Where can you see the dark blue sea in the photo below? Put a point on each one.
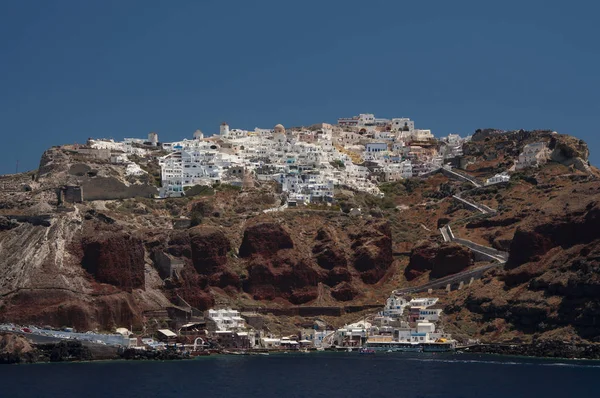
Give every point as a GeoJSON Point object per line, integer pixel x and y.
{"type": "Point", "coordinates": [309, 375]}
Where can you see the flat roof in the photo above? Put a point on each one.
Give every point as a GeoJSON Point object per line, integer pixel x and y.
{"type": "Point", "coordinates": [167, 332]}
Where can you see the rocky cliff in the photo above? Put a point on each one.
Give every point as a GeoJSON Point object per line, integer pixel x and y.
{"type": "Point", "coordinates": [550, 287]}
{"type": "Point", "coordinates": [129, 260]}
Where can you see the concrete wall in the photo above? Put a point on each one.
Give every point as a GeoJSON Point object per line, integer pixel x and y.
{"type": "Point", "coordinates": [470, 205]}
{"type": "Point", "coordinates": [108, 188]}
{"type": "Point", "coordinates": [70, 194]}
{"type": "Point", "coordinates": [457, 176]}
{"type": "Point", "coordinates": [312, 311]}
{"type": "Point", "coordinates": [165, 264]}
{"type": "Point", "coordinates": [484, 249]}
{"type": "Point", "coordinates": [103, 154]}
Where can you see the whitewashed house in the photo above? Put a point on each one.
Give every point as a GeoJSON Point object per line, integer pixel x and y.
{"type": "Point", "coordinates": [533, 155]}
{"type": "Point", "coordinates": [498, 178]}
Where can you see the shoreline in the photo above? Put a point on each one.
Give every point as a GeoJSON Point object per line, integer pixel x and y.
{"type": "Point", "coordinates": [544, 349]}
{"type": "Point", "coordinates": [500, 350]}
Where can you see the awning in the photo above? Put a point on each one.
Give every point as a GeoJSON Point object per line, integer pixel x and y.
{"type": "Point", "coordinates": [167, 332]}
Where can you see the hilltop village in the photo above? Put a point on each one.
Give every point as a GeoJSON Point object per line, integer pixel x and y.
{"type": "Point", "coordinates": [293, 238]}
{"type": "Point", "coordinates": [359, 152]}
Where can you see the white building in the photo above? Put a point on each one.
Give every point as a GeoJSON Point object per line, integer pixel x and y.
{"type": "Point", "coordinates": [394, 306]}
{"type": "Point", "coordinates": [402, 124]}
{"type": "Point", "coordinates": [498, 178]}
{"type": "Point", "coordinates": [364, 119]}
{"type": "Point", "coordinates": [376, 147]}
{"type": "Point", "coordinates": [153, 138]}
{"type": "Point", "coordinates": [226, 319]}
{"type": "Point", "coordinates": [352, 335]}
{"type": "Point", "coordinates": [423, 302]}
{"type": "Point", "coordinates": [533, 155]}
{"type": "Point", "coordinates": [429, 314]}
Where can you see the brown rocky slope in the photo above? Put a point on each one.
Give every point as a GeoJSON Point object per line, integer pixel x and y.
{"type": "Point", "coordinates": [120, 261]}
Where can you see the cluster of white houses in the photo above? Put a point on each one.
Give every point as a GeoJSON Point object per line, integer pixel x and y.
{"type": "Point", "coordinates": [405, 324]}
{"type": "Point", "coordinates": [359, 152]}
{"type": "Point", "coordinates": [227, 329]}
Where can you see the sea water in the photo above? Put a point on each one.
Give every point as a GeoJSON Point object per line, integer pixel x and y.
{"type": "Point", "coordinates": [309, 375]}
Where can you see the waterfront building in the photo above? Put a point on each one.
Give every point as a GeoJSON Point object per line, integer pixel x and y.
{"type": "Point", "coordinates": [394, 306]}
{"type": "Point", "coordinates": [352, 335]}
{"type": "Point", "coordinates": [226, 319]}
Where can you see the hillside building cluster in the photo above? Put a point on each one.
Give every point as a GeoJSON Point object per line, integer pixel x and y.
{"type": "Point", "coordinates": [359, 152]}
{"type": "Point", "coordinates": [405, 324]}
{"type": "Point", "coordinates": [533, 155]}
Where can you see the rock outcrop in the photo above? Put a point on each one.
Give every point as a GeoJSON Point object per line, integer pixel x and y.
{"type": "Point", "coordinates": [372, 251]}
{"type": "Point", "coordinates": [15, 349]}
{"type": "Point", "coordinates": [569, 151]}
{"type": "Point", "coordinates": [327, 252]}
{"type": "Point", "coordinates": [440, 259]}
{"type": "Point", "coordinates": [209, 248]}
{"type": "Point", "coordinates": [534, 239]}
{"type": "Point", "coordinates": [551, 285]}
{"type": "Point", "coordinates": [117, 259]}
{"type": "Point", "coordinates": [451, 258]}
{"type": "Point", "coordinates": [282, 276]}
{"type": "Point", "coordinates": [6, 224]}
{"type": "Point", "coordinates": [422, 258]}
{"type": "Point", "coordinates": [265, 239]}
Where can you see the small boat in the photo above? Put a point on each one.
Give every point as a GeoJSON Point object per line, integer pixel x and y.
{"type": "Point", "coordinates": [320, 348]}
{"type": "Point", "coordinates": [367, 351]}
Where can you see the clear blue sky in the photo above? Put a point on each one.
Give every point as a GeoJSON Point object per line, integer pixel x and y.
{"type": "Point", "coordinates": [73, 69]}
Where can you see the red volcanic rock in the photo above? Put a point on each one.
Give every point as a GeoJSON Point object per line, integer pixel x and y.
{"type": "Point", "coordinates": [327, 251]}
{"type": "Point", "coordinates": [373, 250]}
{"type": "Point", "coordinates": [337, 276]}
{"type": "Point", "coordinates": [191, 287]}
{"type": "Point", "coordinates": [224, 279]}
{"type": "Point", "coordinates": [209, 249]}
{"type": "Point", "coordinates": [329, 256]}
{"type": "Point", "coordinates": [422, 259]}
{"type": "Point", "coordinates": [265, 239]}
{"type": "Point", "coordinates": [280, 276]}
{"type": "Point", "coordinates": [303, 296]}
{"type": "Point", "coordinates": [61, 308]}
{"type": "Point", "coordinates": [344, 292]}
{"type": "Point", "coordinates": [117, 259]}
{"type": "Point", "coordinates": [179, 245]}
{"type": "Point", "coordinates": [530, 242]}
{"type": "Point", "coordinates": [526, 246]}
{"type": "Point", "coordinates": [451, 258]}
{"type": "Point", "coordinates": [441, 260]}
